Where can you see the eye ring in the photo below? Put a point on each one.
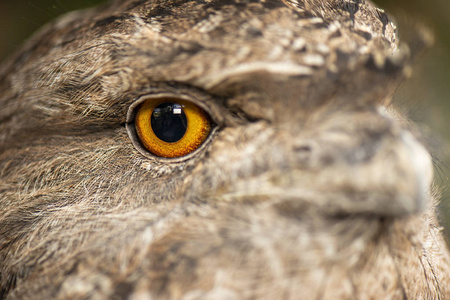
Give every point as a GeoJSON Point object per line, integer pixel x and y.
{"type": "Point", "coordinates": [199, 127]}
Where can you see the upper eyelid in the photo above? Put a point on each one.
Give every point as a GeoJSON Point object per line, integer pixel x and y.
{"type": "Point", "coordinates": [204, 102]}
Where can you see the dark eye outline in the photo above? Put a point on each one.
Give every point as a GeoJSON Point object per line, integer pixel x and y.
{"type": "Point", "coordinates": [132, 133]}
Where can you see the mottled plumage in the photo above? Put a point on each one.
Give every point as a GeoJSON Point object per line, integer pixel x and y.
{"type": "Point", "coordinates": [311, 186]}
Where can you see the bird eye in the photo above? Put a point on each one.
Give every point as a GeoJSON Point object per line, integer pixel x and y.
{"type": "Point", "coordinates": [171, 127]}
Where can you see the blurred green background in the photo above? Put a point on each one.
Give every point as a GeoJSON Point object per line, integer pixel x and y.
{"type": "Point", "coordinates": [427, 92]}
{"type": "Point", "coordinates": [425, 95]}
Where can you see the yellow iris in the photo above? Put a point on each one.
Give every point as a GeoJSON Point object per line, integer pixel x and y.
{"type": "Point", "coordinates": [197, 128]}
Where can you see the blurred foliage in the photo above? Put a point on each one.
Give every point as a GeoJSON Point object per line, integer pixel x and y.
{"type": "Point", "coordinates": [426, 94]}
{"type": "Point", "coordinates": [20, 18]}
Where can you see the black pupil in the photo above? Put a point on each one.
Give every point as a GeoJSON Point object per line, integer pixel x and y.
{"type": "Point", "coordinates": [169, 122]}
